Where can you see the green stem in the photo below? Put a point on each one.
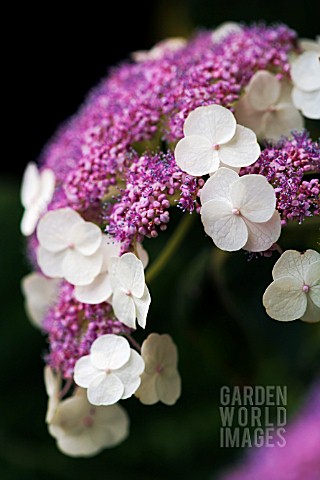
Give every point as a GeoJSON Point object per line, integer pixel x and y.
{"type": "Point", "coordinates": [170, 248]}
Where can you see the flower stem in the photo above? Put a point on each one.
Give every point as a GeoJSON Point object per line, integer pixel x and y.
{"type": "Point", "coordinates": [133, 342]}
{"type": "Point", "coordinates": [170, 248]}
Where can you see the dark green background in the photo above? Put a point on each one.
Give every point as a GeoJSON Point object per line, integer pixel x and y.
{"type": "Point", "coordinates": [210, 302]}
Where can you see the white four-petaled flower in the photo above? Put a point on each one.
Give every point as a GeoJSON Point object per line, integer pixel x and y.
{"type": "Point", "coordinates": [69, 247]}
{"type": "Point", "coordinates": [266, 107]}
{"type": "Point", "coordinates": [213, 138]}
{"type": "Point", "coordinates": [130, 295]}
{"type": "Point", "coordinates": [160, 380]}
{"type": "Point", "coordinates": [111, 372]}
{"type": "Point", "coordinates": [295, 291]}
{"type": "Point", "coordinates": [36, 193]}
{"type": "Point", "coordinates": [239, 212]}
{"type": "Point", "coordinates": [82, 430]}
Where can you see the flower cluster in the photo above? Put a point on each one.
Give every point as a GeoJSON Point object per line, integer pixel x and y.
{"type": "Point", "coordinates": [178, 126]}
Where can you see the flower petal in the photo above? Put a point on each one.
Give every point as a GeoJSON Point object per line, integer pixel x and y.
{"type": "Point", "coordinates": [124, 308]}
{"type": "Point", "coordinates": [262, 236]}
{"type": "Point", "coordinates": [29, 220]}
{"type": "Point", "coordinates": [84, 371]}
{"type": "Point", "coordinates": [79, 269]}
{"type": "Point", "coordinates": [96, 292]}
{"type": "Point", "coordinates": [55, 227]}
{"type": "Point", "coordinates": [254, 197]}
{"type": "Point", "coordinates": [307, 102]}
{"type": "Point", "coordinates": [110, 352]}
{"type": "Point", "coordinates": [168, 386]}
{"type": "Point", "coordinates": [312, 313]}
{"type": "Point", "coordinates": [159, 351]}
{"type": "Point", "coordinates": [30, 185]}
{"type": "Point", "coordinates": [47, 184]}
{"type": "Point", "coordinates": [242, 150]}
{"type": "Point", "coordinates": [142, 307]}
{"type": "Point", "coordinates": [195, 155]}
{"type": "Point", "coordinates": [294, 264]}
{"type": "Point", "coordinates": [217, 187]}
{"type": "Point", "coordinates": [51, 263]}
{"type": "Point", "coordinates": [281, 122]}
{"type": "Point", "coordinates": [305, 71]}
{"type": "Point", "coordinates": [130, 273]}
{"type": "Point", "coordinates": [87, 237]}
{"type": "Point", "coordinates": [214, 122]}
{"type": "Point", "coordinates": [40, 292]}
{"type": "Point", "coordinates": [285, 300]}
{"type": "Point", "coordinates": [263, 90]}
{"type": "Point", "coordinates": [129, 374]}
{"type": "Point", "coordinates": [147, 393]}
{"type": "Point", "coordinates": [247, 116]}
{"type": "Point", "coordinates": [105, 389]}
{"type": "Point", "coordinates": [111, 426]}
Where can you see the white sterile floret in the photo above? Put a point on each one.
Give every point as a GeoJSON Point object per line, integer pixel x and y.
{"type": "Point", "coordinates": [40, 293]}
{"type": "Point", "coordinates": [100, 289]}
{"type": "Point", "coordinates": [69, 247]}
{"type": "Point", "coordinates": [82, 430]}
{"type": "Point", "coordinates": [111, 372]}
{"type": "Point", "coordinates": [36, 193]}
{"type": "Point", "coordinates": [239, 212]}
{"type": "Point", "coordinates": [52, 383]}
{"type": "Point", "coordinates": [267, 108]}
{"type": "Point", "coordinates": [305, 74]}
{"type": "Point", "coordinates": [130, 295]}
{"type": "Point", "coordinates": [211, 138]}
{"type": "Point", "coordinates": [171, 44]}
{"type": "Point", "coordinates": [295, 291]}
{"type": "Point", "coordinates": [160, 380]}
{"type": "Point", "coordinates": [224, 30]}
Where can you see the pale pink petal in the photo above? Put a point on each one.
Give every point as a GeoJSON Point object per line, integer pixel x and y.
{"type": "Point", "coordinates": [214, 122]}
{"type": "Point", "coordinates": [262, 236]}
{"type": "Point", "coordinates": [217, 187]}
{"type": "Point", "coordinates": [285, 300]}
{"type": "Point", "coordinates": [305, 71]}
{"type": "Point", "coordinates": [84, 371]}
{"type": "Point", "coordinates": [79, 269]}
{"type": "Point", "coordinates": [124, 308]}
{"type": "Point", "coordinates": [142, 307]}
{"type": "Point", "coordinates": [147, 393]}
{"type": "Point", "coordinates": [196, 155]}
{"type": "Point", "coordinates": [55, 227]}
{"type": "Point", "coordinates": [307, 102]}
{"type": "Point", "coordinates": [129, 374]}
{"type": "Point", "coordinates": [294, 264]}
{"type": "Point", "coordinates": [96, 292]}
{"type": "Point", "coordinates": [86, 237]}
{"type": "Point", "coordinates": [263, 90]}
{"type": "Point", "coordinates": [242, 150]}
{"type": "Point", "coordinates": [50, 263]}
{"type": "Point", "coordinates": [105, 389]}
{"type": "Point", "coordinates": [254, 197]}
{"type": "Point", "coordinates": [110, 352]}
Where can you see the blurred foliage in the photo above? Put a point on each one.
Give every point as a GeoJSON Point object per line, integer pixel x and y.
{"type": "Point", "coordinates": [210, 302]}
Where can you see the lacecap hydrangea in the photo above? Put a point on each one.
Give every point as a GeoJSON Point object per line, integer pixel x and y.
{"type": "Point", "coordinates": [213, 126]}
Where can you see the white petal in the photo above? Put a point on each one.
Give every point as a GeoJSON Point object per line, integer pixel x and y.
{"type": "Point", "coordinates": [53, 385]}
{"type": "Point", "coordinates": [217, 187]}
{"type": "Point", "coordinates": [40, 293]}
{"type": "Point", "coordinates": [30, 185]}
{"type": "Point", "coordinates": [168, 386]}
{"type": "Point", "coordinates": [84, 371]}
{"type": "Point", "coordinates": [50, 263]}
{"type": "Point", "coordinates": [29, 220]}
{"type": "Point", "coordinates": [159, 351]}
{"type": "Point", "coordinates": [130, 373]}
{"type": "Point", "coordinates": [284, 299]}
{"type": "Point", "coordinates": [110, 352]}
{"type": "Point", "coordinates": [87, 237]}
{"type": "Point", "coordinates": [307, 102]}
{"type": "Point", "coordinates": [242, 150]}
{"type": "Point", "coordinates": [228, 231]}
{"type": "Point", "coordinates": [111, 425]}
{"type": "Point", "coordinates": [217, 124]}
{"type": "Point", "coordinates": [195, 155]}
{"type": "Point", "coordinates": [79, 269]}
{"type": "Point", "coordinates": [55, 227]}
{"type": "Point", "coordinates": [254, 197]}
{"type": "Point", "coordinates": [263, 90]}
{"type": "Point", "coordinates": [124, 308]}
{"type": "Point", "coordinates": [105, 389]}
{"type": "Point", "coordinates": [96, 292]}
{"type": "Point", "coordinates": [294, 264]}
{"type": "Point", "coordinates": [224, 30]}
{"type": "Point", "coordinates": [110, 248]}
{"type": "Point", "coordinates": [142, 307]}
{"type": "Point", "coordinates": [262, 236]}
{"type": "Point", "coordinates": [47, 183]}
{"type": "Point", "coordinates": [249, 117]}
{"type": "Point", "coordinates": [147, 393]}
{"type": "Point", "coordinates": [130, 273]}
{"type": "Point", "coordinates": [143, 255]}
{"type": "Point", "coordinates": [314, 294]}
{"type": "Point", "coordinates": [305, 71]}
{"type": "Point", "coordinates": [312, 277]}
{"type": "Point", "coordinates": [281, 122]}
{"type": "Point", "coordinates": [312, 313]}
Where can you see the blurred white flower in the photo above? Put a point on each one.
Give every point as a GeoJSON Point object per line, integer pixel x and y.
{"type": "Point", "coordinates": [171, 44]}
{"type": "Point", "coordinates": [40, 293]}
{"type": "Point", "coordinates": [305, 74]}
{"type": "Point", "coordinates": [308, 44]}
{"type": "Point", "coordinates": [295, 291]}
{"type": "Point", "coordinates": [53, 385]}
{"type": "Point", "coordinates": [36, 193]}
{"type": "Point", "coordinates": [160, 380]}
{"type": "Point", "coordinates": [130, 295]}
{"type": "Point", "coordinates": [212, 137]}
{"type": "Point", "coordinates": [82, 430]}
{"type": "Point", "coordinates": [224, 30]}
{"type": "Point", "coordinates": [266, 107]}
{"type": "Point", "coordinates": [69, 247]}
{"type": "Point", "coordinates": [239, 212]}
{"type": "Point", "coordinates": [111, 372]}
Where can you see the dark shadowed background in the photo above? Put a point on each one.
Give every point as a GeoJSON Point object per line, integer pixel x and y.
{"type": "Point", "coordinates": [224, 337]}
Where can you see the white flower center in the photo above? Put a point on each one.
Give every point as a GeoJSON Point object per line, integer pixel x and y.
{"type": "Point", "coordinates": [235, 211]}
{"type": "Point", "coordinates": [305, 288]}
